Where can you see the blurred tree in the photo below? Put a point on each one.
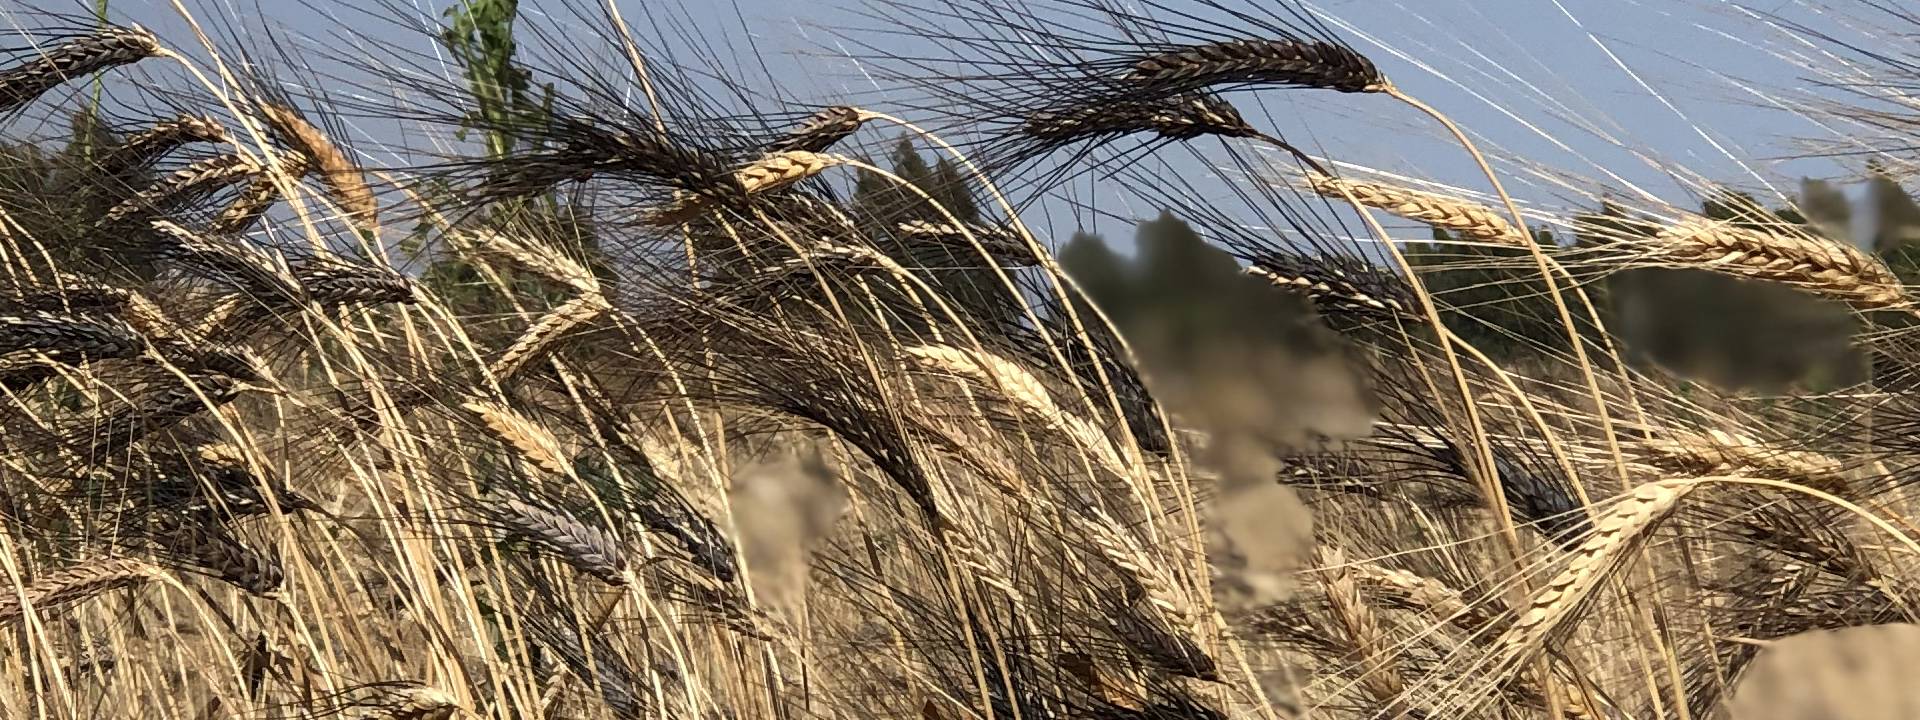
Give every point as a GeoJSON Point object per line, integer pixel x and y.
{"type": "Point", "coordinates": [1895, 215]}
{"type": "Point", "coordinates": [1895, 218]}
{"type": "Point", "coordinates": [952, 190]}
{"type": "Point", "coordinates": [1101, 272]}
{"type": "Point", "coordinates": [1826, 208]}
{"type": "Point", "coordinates": [881, 200]}
{"type": "Point", "coordinates": [880, 204]}
{"type": "Point", "coordinates": [1496, 297]}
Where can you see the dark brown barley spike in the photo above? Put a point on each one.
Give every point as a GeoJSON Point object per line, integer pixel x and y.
{"type": "Point", "coordinates": [143, 148]}
{"type": "Point", "coordinates": [239, 216]}
{"type": "Point", "coordinates": [334, 283]}
{"type": "Point", "coordinates": [236, 263]}
{"type": "Point", "coordinates": [660, 506]}
{"type": "Point", "coordinates": [583, 546]}
{"type": "Point", "coordinates": [820, 130]}
{"type": "Point", "coordinates": [213, 490]}
{"type": "Point", "coordinates": [1183, 117]}
{"type": "Point", "coordinates": [1299, 63]}
{"type": "Point", "coordinates": [232, 361]}
{"type": "Point", "coordinates": [402, 700]}
{"type": "Point", "coordinates": [259, 196]}
{"type": "Point", "coordinates": [362, 412]}
{"type": "Point", "coordinates": [75, 299]}
{"type": "Point", "coordinates": [119, 430]}
{"type": "Point", "coordinates": [216, 553]}
{"type": "Point", "coordinates": [1150, 640]}
{"type": "Point", "coordinates": [180, 188]}
{"type": "Point", "coordinates": [105, 48]}
{"type": "Point", "coordinates": [584, 150]}
{"type": "Point", "coordinates": [65, 337]}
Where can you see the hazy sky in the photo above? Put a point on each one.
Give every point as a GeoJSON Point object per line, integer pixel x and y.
{"type": "Point", "coordinates": [1627, 94]}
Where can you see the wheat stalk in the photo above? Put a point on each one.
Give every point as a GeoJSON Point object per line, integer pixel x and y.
{"type": "Point", "coordinates": [212, 551]}
{"type": "Point", "coordinates": [236, 262]}
{"type": "Point", "coordinates": [1421, 594]}
{"type": "Point", "coordinates": [994, 371]}
{"type": "Point", "coordinates": [73, 295]}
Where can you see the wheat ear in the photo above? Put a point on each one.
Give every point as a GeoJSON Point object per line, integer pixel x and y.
{"type": "Point", "coordinates": [1724, 452]}
{"type": "Point", "coordinates": [75, 583]}
{"type": "Point", "coordinates": [404, 701]}
{"type": "Point", "coordinates": [767, 174]}
{"type": "Point", "coordinates": [1026, 392]}
{"type": "Point", "coordinates": [1420, 594]}
{"type": "Point", "coordinates": [1817, 265]}
{"type": "Point", "coordinates": [1615, 535]}
{"type": "Point", "coordinates": [1179, 118]}
{"type": "Point", "coordinates": [1468, 219]}
{"type": "Point", "coordinates": [529, 439]}
{"type": "Point", "coordinates": [148, 145]}
{"type": "Point", "coordinates": [182, 186]}
{"type": "Point", "coordinates": [583, 546]}
{"type": "Point", "coordinates": [531, 255]}
{"type": "Point", "coordinates": [1380, 675]}
{"type": "Point", "coordinates": [258, 197]}
{"type": "Point", "coordinates": [821, 130]}
{"type": "Point", "coordinates": [64, 336]}
{"type": "Point", "coordinates": [1336, 293]}
{"type": "Point", "coordinates": [540, 338]}
{"type": "Point", "coordinates": [337, 171]}
{"type": "Point", "coordinates": [1124, 553]}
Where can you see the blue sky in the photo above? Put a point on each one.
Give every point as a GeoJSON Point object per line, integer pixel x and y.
{"type": "Point", "coordinates": [1653, 78]}
{"type": "Point", "coordinates": [1628, 94]}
